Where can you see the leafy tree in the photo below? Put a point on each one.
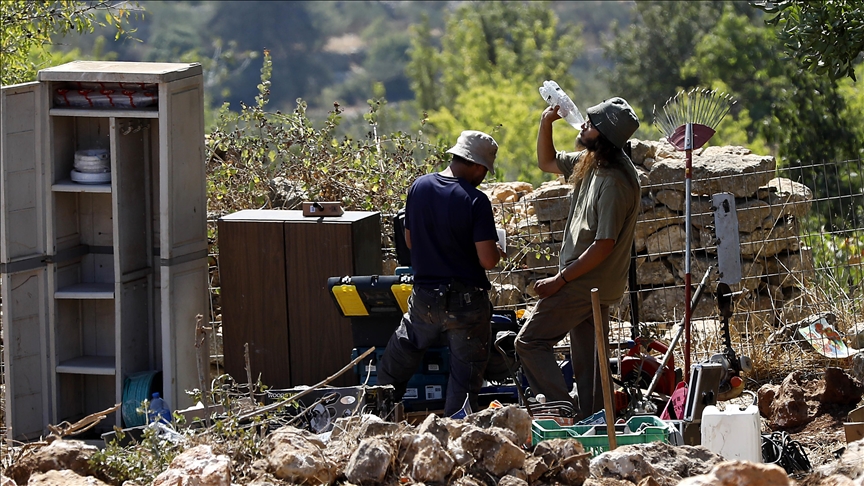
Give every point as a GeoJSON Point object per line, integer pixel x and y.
{"type": "Point", "coordinates": [800, 113]}
{"type": "Point", "coordinates": [424, 65]}
{"type": "Point", "coordinates": [509, 110]}
{"type": "Point", "coordinates": [248, 149]}
{"type": "Point", "coordinates": [295, 42]}
{"type": "Point", "coordinates": [485, 75]}
{"type": "Point", "coordinates": [517, 40]}
{"type": "Point", "coordinates": [648, 54]}
{"type": "Point", "coordinates": [29, 27]}
{"type": "Point", "coordinates": [824, 37]}
{"type": "Point", "coordinates": [383, 62]}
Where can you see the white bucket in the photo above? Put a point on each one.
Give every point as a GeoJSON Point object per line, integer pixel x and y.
{"type": "Point", "coordinates": [734, 433]}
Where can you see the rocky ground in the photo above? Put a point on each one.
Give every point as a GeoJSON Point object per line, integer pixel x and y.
{"type": "Point", "coordinates": [492, 447]}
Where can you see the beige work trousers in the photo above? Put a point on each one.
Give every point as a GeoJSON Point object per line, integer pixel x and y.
{"type": "Point", "coordinates": [568, 310]}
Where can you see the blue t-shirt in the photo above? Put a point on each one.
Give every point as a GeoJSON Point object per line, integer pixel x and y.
{"type": "Point", "coordinates": [445, 216]}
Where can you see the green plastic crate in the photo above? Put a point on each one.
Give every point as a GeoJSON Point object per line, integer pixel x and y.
{"type": "Point", "coordinates": [594, 438]}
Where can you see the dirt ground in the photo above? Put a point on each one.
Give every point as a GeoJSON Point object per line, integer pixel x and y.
{"type": "Point", "coordinates": [823, 438]}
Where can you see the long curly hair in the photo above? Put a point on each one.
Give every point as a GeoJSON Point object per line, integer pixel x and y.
{"type": "Point", "coordinates": [601, 154]}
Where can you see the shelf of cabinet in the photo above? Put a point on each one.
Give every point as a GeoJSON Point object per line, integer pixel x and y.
{"type": "Point", "coordinates": [114, 273]}
{"type": "Point", "coordinates": [100, 113]}
{"type": "Point", "coordinates": [69, 186]}
{"type": "Point", "coordinates": [94, 290]}
{"type": "Point", "coordinates": [88, 365]}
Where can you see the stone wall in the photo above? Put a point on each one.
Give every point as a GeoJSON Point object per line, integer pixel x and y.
{"type": "Point", "coordinates": [775, 262]}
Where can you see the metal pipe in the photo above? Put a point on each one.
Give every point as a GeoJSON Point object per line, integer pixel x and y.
{"type": "Point", "coordinates": [696, 297]}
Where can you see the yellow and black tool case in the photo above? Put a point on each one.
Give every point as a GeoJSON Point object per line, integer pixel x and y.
{"type": "Point", "coordinates": [374, 304]}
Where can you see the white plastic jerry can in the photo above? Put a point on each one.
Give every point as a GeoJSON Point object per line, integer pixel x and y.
{"type": "Point", "coordinates": [734, 433]}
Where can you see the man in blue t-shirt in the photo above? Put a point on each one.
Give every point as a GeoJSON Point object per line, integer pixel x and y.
{"type": "Point", "coordinates": [451, 232]}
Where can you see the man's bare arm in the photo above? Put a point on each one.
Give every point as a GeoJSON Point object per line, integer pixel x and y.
{"type": "Point", "coordinates": [545, 145]}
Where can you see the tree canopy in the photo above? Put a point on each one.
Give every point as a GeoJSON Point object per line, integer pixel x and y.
{"type": "Point", "coordinates": [492, 58]}
{"type": "Point", "coordinates": [824, 37]}
{"type": "Point", "coordinates": [30, 27]}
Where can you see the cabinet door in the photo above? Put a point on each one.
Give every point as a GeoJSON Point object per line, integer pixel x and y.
{"type": "Point", "coordinates": [22, 220]}
{"type": "Point", "coordinates": [182, 183]}
{"type": "Point", "coordinates": [319, 336]}
{"type": "Point", "coordinates": [254, 300]}
{"type": "Point", "coordinates": [22, 262]}
{"type": "Point", "coordinates": [182, 232]}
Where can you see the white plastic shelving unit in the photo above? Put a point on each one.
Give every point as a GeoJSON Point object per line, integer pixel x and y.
{"type": "Point", "coordinates": [100, 280]}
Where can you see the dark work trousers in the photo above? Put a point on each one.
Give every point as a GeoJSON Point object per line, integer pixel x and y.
{"type": "Point", "coordinates": [566, 311]}
{"type": "Point", "coordinates": [433, 314]}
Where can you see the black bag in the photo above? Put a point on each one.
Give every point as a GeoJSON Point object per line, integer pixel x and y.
{"type": "Point", "coordinates": [403, 253]}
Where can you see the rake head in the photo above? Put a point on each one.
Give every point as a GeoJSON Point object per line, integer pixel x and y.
{"type": "Point", "coordinates": [703, 108]}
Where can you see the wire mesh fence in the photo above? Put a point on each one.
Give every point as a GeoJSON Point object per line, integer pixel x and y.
{"type": "Point", "coordinates": [801, 239]}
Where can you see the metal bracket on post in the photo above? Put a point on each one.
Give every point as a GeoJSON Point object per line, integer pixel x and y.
{"type": "Point", "coordinates": [728, 242]}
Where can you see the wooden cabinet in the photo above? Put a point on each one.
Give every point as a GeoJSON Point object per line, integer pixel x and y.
{"type": "Point", "coordinates": [274, 267]}
{"type": "Point", "coordinates": [100, 279]}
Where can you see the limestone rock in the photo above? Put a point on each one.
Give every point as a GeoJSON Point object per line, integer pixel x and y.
{"type": "Point", "coordinates": [649, 222]}
{"type": "Point", "coordinates": [370, 462]}
{"type": "Point", "coordinates": [492, 449]}
{"type": "Point", "coordinates": [515, 278]}
{"type": "Point", "coordinates": [741, 473]}
{"type": "Point", "coordinates": [857, 369]}
{"type": "Point", "coordinates": [534, 468]}
{"type": "Point", "coordinates": [788, 198]}
{"type": "Point", "coordinates": [648, 482]}
{"type": "Point", "coordinates": [424, 458]}
{"type": "Point", "coordinates": [717, 169]}
{"type": "Point", "coordinates": [644, 180]}
{"type": "Point", "coordinates": [785, 406]}
{"type": "Point", "coordinates": [199, 466]}
{"type": "Point", "coordinates": [767, 242]}
{"type": "Point", "coordinates": [345, 425]}
{"type": "Point", "coordinates": [667, 240]}
{"type": "Point", "coordinates": [753, 214]}
{"type": "Point", "coordinates": [667, 304]}
{"type": "Point", "coordinates": [58, 455]}
{"type": "Point", "coordinates": [666, 463]}
{"type": "Point", "coordinates": [850, 464]}
{"type": "Point", "coordinates": [285, 193]}
{"type": "Point", "coordinates": [641, 149]}
{"type": "Point", "coordinates": [509, 480]}
{"type": "Point", "coordinates": [505, 295]}
{"type": "Point", "coordinates": [672, 199]}
{"type": "Point", "coordinates": [468, 481]}
{"type": "Point", "coordinates": [434, 425]}
{"type": "Point", "coordinates": [501, 192]}
{"type": "Point", "coordinates": [838, 480]}
{"type": "Point", "coordinates": [296, 455]}
{"type": "Point", "coordinates": [373, 428]}
{"type": "Point", "coordinates": [698, 266]}
{"type": "Point", "coordinates": [565, 458]}
{"type": "Point", "coordinates": [511, 418]}
{"type": "Point", "coordinates": [837, 387]}
{"type": "Point", "coordinates": [552, 202]}
{"type": "Point", "coordinates": [654, 273]}
{"type": "Point", "coordinates": [65, 477]}
{"type": "Point", "coordinates": [790, 269]}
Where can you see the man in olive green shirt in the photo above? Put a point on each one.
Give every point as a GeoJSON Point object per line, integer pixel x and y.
{"type": "Point", "coordinates": [595, 252]}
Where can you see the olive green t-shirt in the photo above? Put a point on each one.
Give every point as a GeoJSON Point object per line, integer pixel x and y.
{"type": "Point", "coordinates": [605, 205]}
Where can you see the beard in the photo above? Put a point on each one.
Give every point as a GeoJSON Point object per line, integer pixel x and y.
{"type": "Point", "coordinates": [590, 146]}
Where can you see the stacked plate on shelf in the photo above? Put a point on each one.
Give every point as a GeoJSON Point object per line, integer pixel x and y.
{"type": "Point", "coordinates": [92, 166]}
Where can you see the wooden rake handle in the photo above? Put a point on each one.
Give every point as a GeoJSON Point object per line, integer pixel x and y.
{"type": "Point", "coordinates": [605, 374]}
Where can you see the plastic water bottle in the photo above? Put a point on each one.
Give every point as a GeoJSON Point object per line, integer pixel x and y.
{"type": "Point", "coordinates": [554, 95]}
{"type": "Point", "coordinates": [159, 410]}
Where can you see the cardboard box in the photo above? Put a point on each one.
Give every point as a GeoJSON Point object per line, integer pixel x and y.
{"type": "Point", "coordinates": [333, 208]}
{"type": "Point", "coordinates": [855, 425]}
